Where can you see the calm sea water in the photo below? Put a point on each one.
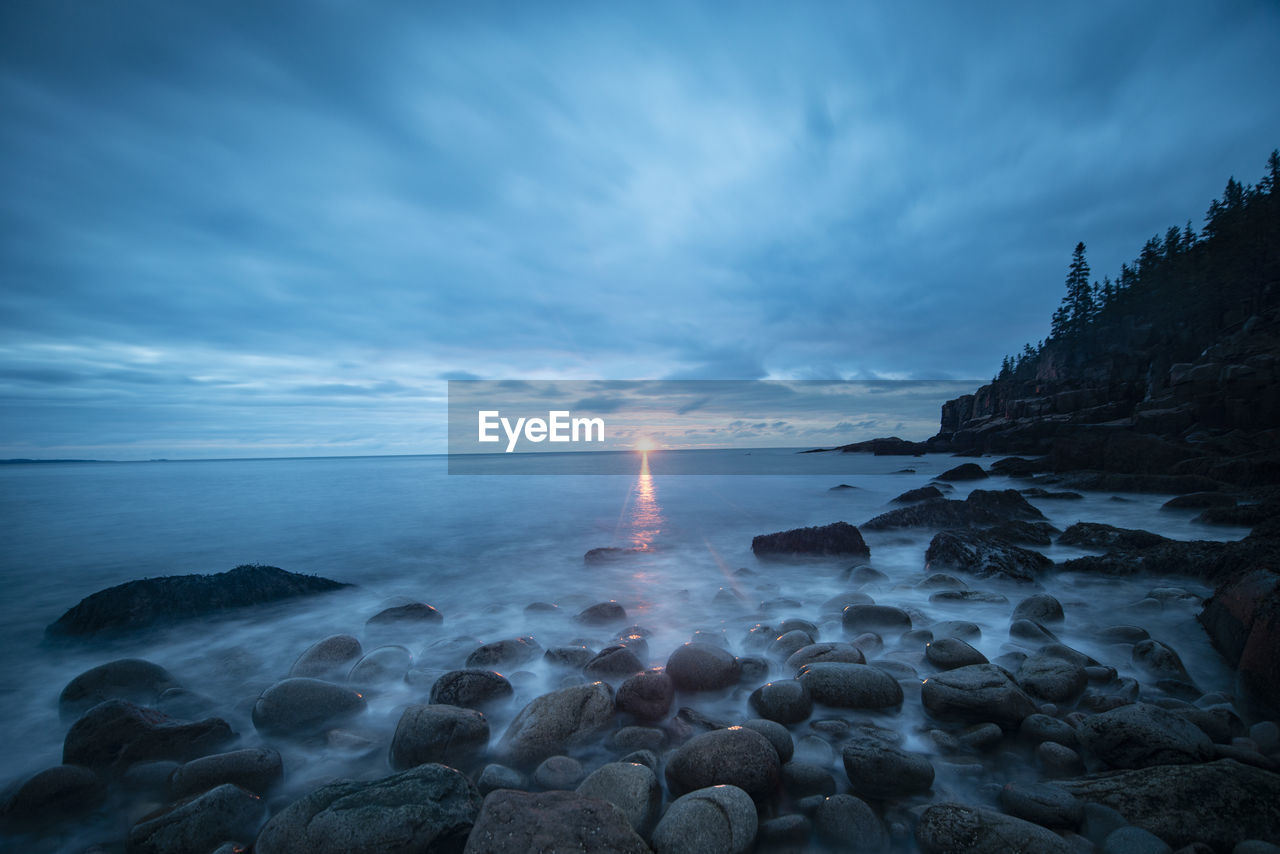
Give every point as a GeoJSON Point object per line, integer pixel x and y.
{"type": "Point", "coordinates": [479, 548]}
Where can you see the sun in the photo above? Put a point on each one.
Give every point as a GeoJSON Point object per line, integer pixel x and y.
{"type": "Point", "coordinates": [644, 445]}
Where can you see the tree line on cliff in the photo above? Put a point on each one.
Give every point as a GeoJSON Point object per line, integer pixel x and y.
{"type": "Point", "coordinates": [1182, 292]}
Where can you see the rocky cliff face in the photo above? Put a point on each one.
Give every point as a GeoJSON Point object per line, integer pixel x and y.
{"type": "Point", "coordinates": [1223, 402]}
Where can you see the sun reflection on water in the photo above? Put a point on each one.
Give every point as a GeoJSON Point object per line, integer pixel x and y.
{"type": "Point", "coordinates": [646, 515]}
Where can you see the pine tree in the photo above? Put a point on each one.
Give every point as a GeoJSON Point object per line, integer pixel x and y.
{"type": "Point", "coordinates": [1079, 298]}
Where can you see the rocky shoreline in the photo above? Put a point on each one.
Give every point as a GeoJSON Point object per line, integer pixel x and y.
{"type": "Point", "coordinates": [871, 722]}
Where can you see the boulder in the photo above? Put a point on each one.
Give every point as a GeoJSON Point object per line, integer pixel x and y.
{"type": "Point", "coordinates": [735, 756]}
{"type": "Point", "coordinates": [427, 808]}
{"type": "Point", "coordinates": [850, 686]}
{"type": "Point", "coordinates": [449, 735]}
{"type": "Point", "coordinates": [786, 701]}
{"type": "Point", "coordinates": [964, 471]}
{"type": "Point", "coordinates": [199, 824]}
{"type": "Point", "coordinates": [327, 658]}
{"type": "Point", "coordinates": [977, 694]}
{"type": "Point", "coordinates": [151, 601]}
{"type": "Point", "coordinates": [300, 707]}
{"type": "Point", "coordinates": [1139, 735]}
{"type": "Point", "coordinates": [818, 652]}
{"type": "Point", "coordinates": [1242, 619]}
{"type": "Point", "coordinates": [472, 689]}
{"type": "Point", "coordinates": [1052, 679]}
{"type": "Point", "coordinates": [558, 772]}
{"type": "Point", "coordinates": [980, 509]}
{"type": "Point", "coordinates": [551, 821]}
{"type": "Point", "coordinates": [509, 652]}
{"type": "Point", "coordinates": [880, 770]}
{"type": "Point", "coordinates": [632, 788]}
{"type": "Point", "coordinates": [838, 538]}
{"type": "Point", "coordinates": [557, 723]}
{"type": "Point", "coordinates": [923, 493]}
{"type": "Point", "coordinates": [950, 653]}
{"type": "Point", "coordinates": [1043, 803]}
{"type": "Point", "coordinates": [131, 679]}
{"type": "Point", "coordinates": [1221, 803]}
{"type": "Point", "coordinates": [617, 660]}
{"type": "Point", "coordinates": [647, 695]}
{"type": "Point", "coordinates": [55, 793]}
{"type": "Point", "coordinates": [255, 769]}
{"type": "Point", "coordinates": [881, 619]}
{"type": "Point", "coordinates": [413, 613]}
{"type": "Point", "coordinates": [602, 614]}
{"type": "Point", "coordinates": [381, 665]}
{"type": "Point", "coordinates": [1159, 660]}
{"type": "Point", "coordinates": [984, 555]}
{"type": "Point", "coordinates": [777, 734]}
{"type": "Point", "coordinates": [1040, 607]}
{"type": "Point", "coordinates": [950, 828]}
{"type": "Point", "coordinates": [703, 667]}
{"type": "Point", "coordinates": [115, 734]}
{"type": "Point", "coordinates": [716, 820]}
{"type": "Point", "coordinates": [843, 819]}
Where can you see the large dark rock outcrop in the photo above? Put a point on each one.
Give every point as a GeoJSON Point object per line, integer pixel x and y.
{"type": "Point", "coordinates": [1242, 619]}
{"type": "Point", "coordinates": [151, 601]}
{"type": "Point", "coordinates": [838, 538]}
{"type": "Point", "coordinates": [982, 508]}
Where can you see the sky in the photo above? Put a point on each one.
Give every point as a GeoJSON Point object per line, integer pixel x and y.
{"type": "Point", "coordinates": [270, 229]}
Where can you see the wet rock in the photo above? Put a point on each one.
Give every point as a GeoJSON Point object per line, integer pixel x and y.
{"type": "Point", "coordinates": [557, 723]}
{"type": "Point", "coordinates": [950, 653]}
{"type": "Point", "coordinates": [880, 770]}
{"type": "Point", "coordinates": [613, 661]}
{"type": "Point", "coordinates": [842, 820]}
{"type": "Point", "coordinates": [602, 614]}
{"type": "Point", "coordinates": [471, 689]}
{"type": "Point", "coordinates": [1242, 619]}
{"type": "Point", "coordinates": [784, 833]}
{"type": "Point", "coordinates": [632, 788]}
{"type": "Point", "coordinates": [982, 508]}
{"type": "Point", "coordinates": [922, 493]}
{"type": "Point", "coordinates": [952, 828]}
{"type": "Point", "coordinates": [1140, 735]}
{"type": "Point", "coordinates": [1058, 760]}
{"type": "Point", "coordinates": [1134, 840]}
{"type": "Point", "coordinates": [117, 733]}
{"type": "Point", "coordinates": [149, 778]}
{"type": "Point", "coordinates": [1122, 634]}
{"type": "Point", "coordinates": [702, 667]}
{"type": "Point", "coordinates": [786, 701]}
{"type": "Point", "coordinates": [1040, 607]}
{"type": "Point", "coordinates": [1038, 728]}
{"type": "Point", "coordinates": [256, 769]}
{"type": "Point", "coordinates": [977, 694]}
{"type": "Point", "coordinates": [1220, 724]}
{"type": "Point", "coordinates": [55, 793]}
{"type": "Point", "coordinates": [1047, 495]}
{"type": "Point", "coordinates": [542, 608]}
{"type": "Point", "coordinates": [716, 820]}
{"type": "Point", "coordinates": [449, 735]}
{"type": "Point", "coordinates": [647, 696]}
{"type": "Point", "coordinates": [753, 669]}
{"type": "Point", "coordinates": [630, 738]}
{"type": "Point", "coordinates": [1023, 533]}
{"type": "Point", "coordinates": [1043, 803]}
{"type": "Point", "coordinates": [982, 596]}
{"type": "Point", "coordinates": [777, 734]}
{"type": "Point", "coordinates": [200, 824]}
{"type": "Point", "coordinates": [1052, 679]}
{"type": "Point", "coordinates": [413, 613]}
{"type": "Point", "coordinates": [1095, 535]}
{"type": "Point", "coordinates": [735, 756]}
{"type": "Point", "coordinates": [801, 779]}
{"type": "Point", "coordinates": [1198, 501]}
{"type": "Point", "coordinates": [300, 706]}
{"type": "Point", "coordinates": [881, 619]}
{"type": "Point", "coordinates": [153, 601]}
{"type": "Point", "coordinates": [427, 808]}
{"type": "Point", "coordinates": [558, 772]}
{"type": "Point", "coordinates": [495, 776]}
{"type": "Point", "coordinates": [384, 664]}
{"type": "Point", "coordinates": [551, 821]}
{"type": "Point", "coordinates": [850, 686]}
{"type": "Point", "coordinates": [784, 645]}
{"type": "Point", "coordinates": [572, 657]}
{"type": "Point", "coordinates": [507, 653]}
{"type": "Point", "coordinates": [963, 629]}
{"type": "Point", "coordinates": [817, 652]}
{"type": "Point", "coordinates": [964, 471]}
{"type": "Point", "coordinates": [1159, 660]}
{"type": "Point", "coordinates": [864, 575]}
{"type": "Point", "coordinates": [1221, 803]}
{"type": "Point", "coordinates": [982, 737]}
{"type": "Point", "coordinates": [984, 555]}
{"type": "Point", "coordinates": [1031, 632]}
{"type": "Point", "coordinates": [838, 538]}
{"type": "Point", "coordinates": [941, 580]}
{"type": "Point", "coordinates": [131, 679]}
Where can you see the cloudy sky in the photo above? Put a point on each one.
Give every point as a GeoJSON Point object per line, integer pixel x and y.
{"type": "Point", "coordinates": [257, 229]}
